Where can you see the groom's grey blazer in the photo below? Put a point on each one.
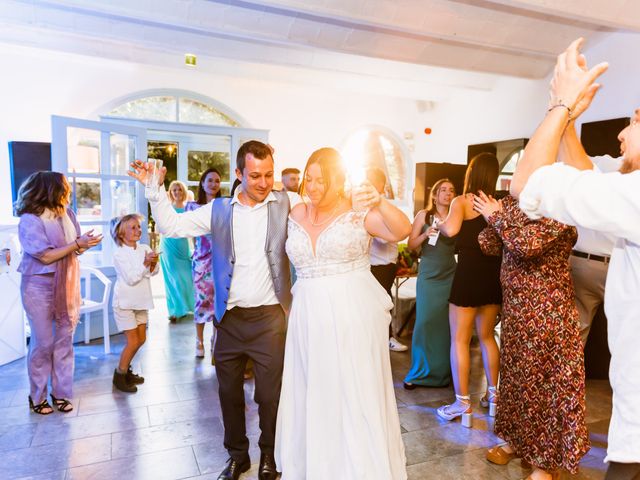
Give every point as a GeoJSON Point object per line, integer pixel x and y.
{"type": "Point", "coordinates": [223, 255]}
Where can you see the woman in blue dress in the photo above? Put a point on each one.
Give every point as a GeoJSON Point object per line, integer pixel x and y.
{"type": "Point", "coordinates": [430, 365]}
{"type": "Point", "coordinates": [176, 262]}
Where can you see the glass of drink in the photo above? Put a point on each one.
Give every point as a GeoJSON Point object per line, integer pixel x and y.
{"type": "Point", "coordinates": [151, 186]}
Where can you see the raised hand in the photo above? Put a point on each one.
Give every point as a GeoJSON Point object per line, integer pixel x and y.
{"type": "Point", "coordinates": [573, 82]}
{"type": "Point", "coordinates": [365, 196]}
{"type": "Point", "coordinates": [486, 205]}
{"type": "Point", "coordinates": [141, 171]}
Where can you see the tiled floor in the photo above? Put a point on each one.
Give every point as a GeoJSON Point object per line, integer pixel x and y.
{"type": "Point", "coordinates": [171, 429]}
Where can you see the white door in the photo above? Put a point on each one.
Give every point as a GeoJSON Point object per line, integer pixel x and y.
{"type": "Point", "coordinates": [95, 157]}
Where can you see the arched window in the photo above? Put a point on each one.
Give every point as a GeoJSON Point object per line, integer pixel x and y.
{"type": "Point", "coordinates": [181, 108]}
{"type": "Point", "coordinates": [188, 131]}
{"type": "Point", "coordinates": [375, 146]}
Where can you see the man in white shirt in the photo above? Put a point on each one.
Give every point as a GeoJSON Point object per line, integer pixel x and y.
{"type": "Point", "coordinates": [592, 252]}
{"type": "Point", "coordinates": [606, 202]}
{"type": "Point", "coordinates": [252, 292]}
{"type": "Point", "coordinates": [291, 179]}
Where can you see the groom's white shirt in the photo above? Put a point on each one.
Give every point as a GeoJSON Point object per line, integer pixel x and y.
{"type": "Point", "coordinates": [251, 284]}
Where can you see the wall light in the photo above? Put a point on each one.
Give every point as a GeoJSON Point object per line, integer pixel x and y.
{"type": "Point", "coordinates": [190, 59]}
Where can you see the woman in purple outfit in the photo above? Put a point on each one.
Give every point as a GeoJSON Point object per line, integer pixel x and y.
{"type": "Point", "coordinates": [50, 237]}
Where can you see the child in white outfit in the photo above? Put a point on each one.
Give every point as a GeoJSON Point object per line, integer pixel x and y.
{"type": "Point", "coordinates": [135, 264]}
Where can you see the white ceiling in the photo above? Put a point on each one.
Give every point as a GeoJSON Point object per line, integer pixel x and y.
{"type": "Point", "coordinates": [518, 38]}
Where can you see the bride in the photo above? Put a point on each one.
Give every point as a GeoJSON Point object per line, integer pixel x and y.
{"type": "Point", "coordinates": [337, 417]}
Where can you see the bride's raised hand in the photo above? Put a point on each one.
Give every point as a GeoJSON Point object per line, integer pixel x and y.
{"type": "Point", "coordinates": [365, 196]}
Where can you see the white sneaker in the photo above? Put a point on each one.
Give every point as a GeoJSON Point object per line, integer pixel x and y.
{"type": "Point", "coordinates": [396, 346]}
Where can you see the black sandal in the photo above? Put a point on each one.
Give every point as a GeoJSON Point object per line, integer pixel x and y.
{"type": "Point", "coordinates": [40, 407]}
{"type": "Point", "coordinates": [62, 404]}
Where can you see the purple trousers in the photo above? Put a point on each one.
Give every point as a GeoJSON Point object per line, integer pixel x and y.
{"type": "Point", "coordinates": [51, 345]}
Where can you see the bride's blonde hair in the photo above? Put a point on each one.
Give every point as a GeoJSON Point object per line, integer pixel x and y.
{"type": "Point", "coordinates": [330, 162]}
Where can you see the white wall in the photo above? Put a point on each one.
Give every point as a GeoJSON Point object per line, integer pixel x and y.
{"type": "Point", "coordinates": [514, 107]}
{"type": "Point", "coordinates": [300, 116]}
{"type": "Point", "coordinates": [511, 110]}
{"type": "Point", "coordinates": [620, 92]}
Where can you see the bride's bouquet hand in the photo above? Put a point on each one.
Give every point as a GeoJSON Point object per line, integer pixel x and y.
{"type": "Point", "coordinates": [365, 196]}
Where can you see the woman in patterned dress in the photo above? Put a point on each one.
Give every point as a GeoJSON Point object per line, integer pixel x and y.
{"type": "Point", "coordinates": [541, 404]}
{"type": "Point", "coordinates": [208, 189]}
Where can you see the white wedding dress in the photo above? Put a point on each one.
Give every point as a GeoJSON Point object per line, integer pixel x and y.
{"type": "Point", "coordinates": [338, 417]}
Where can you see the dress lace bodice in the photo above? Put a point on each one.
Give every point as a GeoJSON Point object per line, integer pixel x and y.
{"type": "Point", "coordinates": [341, 247]}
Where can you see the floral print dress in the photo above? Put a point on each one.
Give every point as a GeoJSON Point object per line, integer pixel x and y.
{"type": "Point", "coordinates": [202, 275]}
{"type": "Point", "coordinates": [541, 403]}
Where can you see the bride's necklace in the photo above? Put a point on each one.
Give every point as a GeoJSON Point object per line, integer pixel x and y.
{"type": "Point", "coordinates": [319, 224]}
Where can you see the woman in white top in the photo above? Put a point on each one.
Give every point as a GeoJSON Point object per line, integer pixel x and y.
{"type": "Point", "coordinates": [132, 297]}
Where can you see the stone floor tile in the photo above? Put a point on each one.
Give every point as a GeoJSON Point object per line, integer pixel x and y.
{"type": "Point", "coordinates": [55, 457]}
{"type": "Point", "coordinates": [166, 465]}
{"type": "Point", "coordinates": [212, 457]}
{"type": "Point", "coordinates": [164, 437]}
{"type": "Point", "coordinates": [463, 466]}
{"type": "Point", "coordinates": [16, 436]}
{"type": "Point", "coordinates": [117, 400]}
{"type": "Point", "coordinates": [91, 426]}
{"type": "Point", "coordinates": [172, 427]}
{"type": "Point", "coordinates": [59, 475]}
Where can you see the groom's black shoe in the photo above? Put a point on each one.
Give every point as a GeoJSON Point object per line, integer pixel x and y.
{"type": "Point", "coordinates": [267, 470]}
{"type": "Point", "coordinates": [234, 469]}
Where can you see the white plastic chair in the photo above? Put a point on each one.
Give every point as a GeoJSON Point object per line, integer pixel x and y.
{"type": "Point", "coordinates": [89, 305]}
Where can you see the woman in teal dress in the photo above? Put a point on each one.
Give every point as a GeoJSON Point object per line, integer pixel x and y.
{"type": "Point", "coordinates": [176, 262]}
{"type": "Point", "coordinates": [430, 365]}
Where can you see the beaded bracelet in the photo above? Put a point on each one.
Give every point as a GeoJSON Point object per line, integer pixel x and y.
{"type": "Point", "coordinates": [560, 104]}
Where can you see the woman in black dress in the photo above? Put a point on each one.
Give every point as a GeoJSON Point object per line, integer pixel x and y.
{"type": "Point", "coordinates": [475, 293]}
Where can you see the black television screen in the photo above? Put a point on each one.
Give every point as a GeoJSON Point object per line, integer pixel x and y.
{"type": "Point", "coordinates": [26, 158]}
{"type": "Point", "coordinates": [601, 138]}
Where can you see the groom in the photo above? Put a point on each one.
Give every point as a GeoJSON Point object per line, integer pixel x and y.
{"type": "Point", "coordinates": [252, 292]}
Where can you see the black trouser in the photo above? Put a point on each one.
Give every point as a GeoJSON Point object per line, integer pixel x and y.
{"type": "Point", "coordinates": [623, 471]}
{"type": "Point", "coordinates": [385, 274]}
{"type": "Point", "coordinates": [258, 334]}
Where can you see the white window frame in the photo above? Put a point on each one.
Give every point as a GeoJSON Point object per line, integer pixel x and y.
{"type": "Point", "coordinates": [59, 163]}
{"type": "Point", "coordinates": [155, 128]}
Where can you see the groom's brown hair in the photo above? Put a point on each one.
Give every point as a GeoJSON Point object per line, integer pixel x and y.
{"type": "Point", "coordinates": [255, 148]}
